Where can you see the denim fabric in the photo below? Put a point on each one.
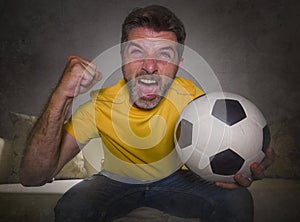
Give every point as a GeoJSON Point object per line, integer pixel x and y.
{"type": "Point", "coordinates": [183, 194]}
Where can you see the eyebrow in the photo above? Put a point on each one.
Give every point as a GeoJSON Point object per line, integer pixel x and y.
{"type": "Point", "coordinates": [134, 44]}
{"type": "Point", "coordinates": [163, 48]}
{"type": "Point", "coordinates": [168, 48]}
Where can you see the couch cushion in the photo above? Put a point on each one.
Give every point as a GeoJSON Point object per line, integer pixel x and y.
{"type": "Point", "coordinates": [5, 160]}
{"type": "Point", "coordinates": [22, 126]}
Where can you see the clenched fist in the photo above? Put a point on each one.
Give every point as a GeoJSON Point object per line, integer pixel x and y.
{"type": "Point", "coordinates": [79, 76]}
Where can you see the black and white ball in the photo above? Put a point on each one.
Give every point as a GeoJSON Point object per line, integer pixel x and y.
{"type": "Point", "coordinates": [220, 134]}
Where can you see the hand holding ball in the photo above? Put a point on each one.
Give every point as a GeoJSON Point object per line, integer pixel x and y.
{"type": "Point", "coordinates": [220, 134]}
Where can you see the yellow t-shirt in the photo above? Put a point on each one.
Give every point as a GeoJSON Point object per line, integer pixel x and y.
{"type": "Point", "coordinates": [137, 143]}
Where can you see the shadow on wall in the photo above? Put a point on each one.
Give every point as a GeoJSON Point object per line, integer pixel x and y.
{"type": "Point", "coordinates": [286, 143]}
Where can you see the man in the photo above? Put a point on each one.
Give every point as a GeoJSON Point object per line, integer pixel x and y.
{"type": "Point", "coordinates": [135, 119]}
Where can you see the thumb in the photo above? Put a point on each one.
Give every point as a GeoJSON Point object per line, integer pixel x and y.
{"type": "Point", "coordinates": [98, 76]}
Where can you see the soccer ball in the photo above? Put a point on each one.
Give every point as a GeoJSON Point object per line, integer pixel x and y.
{"type": "Point", "coordinates": [220, 134]}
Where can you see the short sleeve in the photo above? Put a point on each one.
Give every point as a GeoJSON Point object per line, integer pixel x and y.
{"type": "Point", "coordinates": [198, 92]}
{"type": "Point", "coordinates": [81, 125]}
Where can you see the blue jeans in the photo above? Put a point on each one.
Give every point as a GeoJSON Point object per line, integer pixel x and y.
{"type": "Point", "coordinates": [183, 194]}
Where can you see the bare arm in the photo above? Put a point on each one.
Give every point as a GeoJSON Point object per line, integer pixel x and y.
{"type": "Point", "coordinates": [49, 147]}
{"type": "Point", "coordinates": [43, 149]}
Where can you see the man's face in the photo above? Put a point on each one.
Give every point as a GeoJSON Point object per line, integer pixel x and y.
{"type": "Point", "coordinates": [150, 63]}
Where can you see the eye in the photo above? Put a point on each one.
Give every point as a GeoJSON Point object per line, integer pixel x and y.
{"type": "Point", "coordinates": [135, 52]}
{"type": "Point", "coordinates": [165, 55]}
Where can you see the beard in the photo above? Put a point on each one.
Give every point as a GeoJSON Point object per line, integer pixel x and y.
{"type": "Point", "coordinates": [147, 90]}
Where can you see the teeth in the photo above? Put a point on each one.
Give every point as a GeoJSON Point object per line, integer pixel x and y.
{"type": "Point", "coordinates": [147, 81]}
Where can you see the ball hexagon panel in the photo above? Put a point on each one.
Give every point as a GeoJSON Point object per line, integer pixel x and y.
{"type": "Point", "coordinates": [226, 162]}
{"type": "Point", "coordinates": [184, 133]}
{"type": "Point", "coordinates": [228, 111]}
{"type": "Point", "coordinates": [266, 138]}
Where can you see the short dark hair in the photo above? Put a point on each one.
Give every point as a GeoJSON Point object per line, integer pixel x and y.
{"type": "Point", "coordinates": [155, 17]}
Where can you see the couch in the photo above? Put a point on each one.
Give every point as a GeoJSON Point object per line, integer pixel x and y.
{"type": "Point", "coordinates": [275, 198]}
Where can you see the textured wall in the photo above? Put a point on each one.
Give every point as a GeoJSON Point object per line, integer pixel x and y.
{"type": "Point", "coordinates": [251, 45]}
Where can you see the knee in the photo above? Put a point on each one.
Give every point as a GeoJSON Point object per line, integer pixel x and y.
{"type": "Point", "coordinates": [70, 207]}
{"type": "Point", "coordinates": [240, 205]}
{"type": "Point", "coordinates": [241, 200]}
{"type": "Point", "coordinates": [63, 209]}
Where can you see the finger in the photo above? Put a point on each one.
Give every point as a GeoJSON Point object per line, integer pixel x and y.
{"type": "Point", "coordinates": [90, 68]}
{"type": "Point", "coordinates": [258, 171]}
{"type": "Point", "coordinates": [86, 64]}
{"type": "Point", "coordinates": [228, 185]}
{"type": "Point", "coordinates": [89, 82]}
{"type": "Point", "coordinates": [76, 59]}
{"type": "Point", "coordinates": [72, 57]}
{"type": "Point", "coordinates": [242, 180]}
{"type": "Point", "coordinates": [91, 77]}
{"type": "Point", "coordinates": [269, 159]}
{"type": "Point", "coordinates": [98, 76]}
{"type": "Point", "coordinates": [89, 74]}
{"type": "Point", "coordinates": [82, 60]}
{"type": "Point", "coordinates": [87, 79]}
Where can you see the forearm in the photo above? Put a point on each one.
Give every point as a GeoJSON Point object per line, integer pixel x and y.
{"type": "Point", "coordinates": [46, 153]}
{"type": "Point", "coordinates": [42, 152]}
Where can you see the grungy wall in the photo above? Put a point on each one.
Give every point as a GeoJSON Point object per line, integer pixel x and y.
{"type": "Point", "coordinates": [252, 46]}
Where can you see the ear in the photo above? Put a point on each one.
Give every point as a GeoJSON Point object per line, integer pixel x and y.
{"type": "Point", "coordinates": [122, 57]}
{"type": "Point", "coordinates": [180, 63]}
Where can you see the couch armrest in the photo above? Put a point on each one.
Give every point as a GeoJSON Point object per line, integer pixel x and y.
{"type": "Point", "coordinates": [56, 187]}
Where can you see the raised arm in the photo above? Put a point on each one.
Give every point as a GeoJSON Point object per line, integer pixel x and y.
{"type": "Point", "coordinates": [49, 148]}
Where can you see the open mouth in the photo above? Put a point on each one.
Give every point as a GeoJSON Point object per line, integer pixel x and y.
{"type": "Point", "coordinates": [148, 87]}
{"type": "Point", "coordinates": [147, 81]}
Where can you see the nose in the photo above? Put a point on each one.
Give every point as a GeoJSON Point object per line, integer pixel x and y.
{"type": "Point", "coordinates": [150, 66]}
